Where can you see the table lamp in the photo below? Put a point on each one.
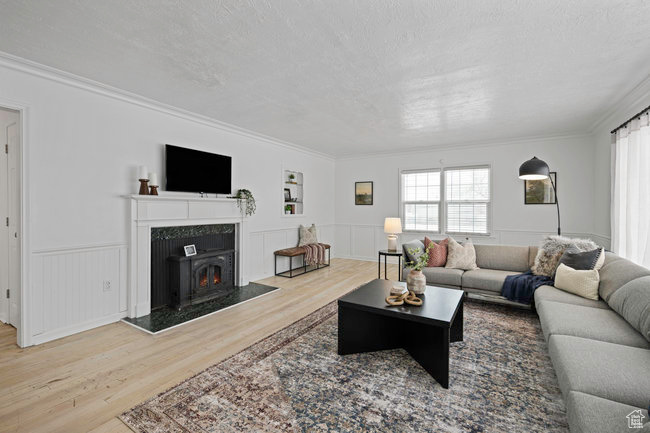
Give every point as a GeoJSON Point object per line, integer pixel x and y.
{"type": "Point", "coordinates": [392, 226]}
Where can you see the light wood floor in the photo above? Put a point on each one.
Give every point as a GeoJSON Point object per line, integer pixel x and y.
{"type": "Point", "coordinates": [82, 382]}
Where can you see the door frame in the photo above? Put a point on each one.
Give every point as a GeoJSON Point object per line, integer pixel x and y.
{"type": "Point", "coordinates": [24, 337]}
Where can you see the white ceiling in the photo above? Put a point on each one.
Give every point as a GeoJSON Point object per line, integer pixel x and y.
{"type": "Point", "coordinates": [345, 77]}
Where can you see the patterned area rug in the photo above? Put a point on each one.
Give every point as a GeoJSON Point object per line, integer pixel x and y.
{"type": "Point", "coordinates": [501, 380]}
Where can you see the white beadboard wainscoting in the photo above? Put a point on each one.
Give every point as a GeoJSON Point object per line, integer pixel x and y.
{"type": "Point", "coordinates": [362, 241]}
{"type": "Point", "coordinates": [77, 289]}
{"type": "Point", "coordinates": [262, 244]}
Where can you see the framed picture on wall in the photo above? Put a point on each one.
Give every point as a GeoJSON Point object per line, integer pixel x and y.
{"type": "Point", "coordinates": [540, 191]}
{"type": "Point", "coordinates": [287, 194]}
{"type": "Point", "coordinates": [363, 193]}
{"type": "Point", "coordinates": [190, 250]}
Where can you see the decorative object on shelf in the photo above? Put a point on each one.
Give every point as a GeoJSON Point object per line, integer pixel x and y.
{"type": "Point", "coordinates": [292, 178]}
{"type": "Point", "coordinates": [245, 202]}
{"type": "Point", "coordinates": [536, 169]}
{"type": "Point", "coordinates": [153, 184]}
{"type": "Point", "coordinates": [143, 177]}
{"type": "Point", "coordinates": [540, 191]}
{"type": "Point", "coordinates": [287, 209]}
{"type": "Point", "coordinates": [392, 226]}
{"type": "Point", "coordinates": [190, 250]}
{"type": "Point", "coordinates": [409, 297]}
{"type": "Point", "coordinates": [363, 194]}
{"type": "Point", "coordinates": [287, 194]}
{"type": "Point", "coordinates": [292, 192]}
{"type": "Point", "coordinates": [415, 280]}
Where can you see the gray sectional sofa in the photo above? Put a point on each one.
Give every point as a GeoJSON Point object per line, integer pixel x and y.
{"type": "Point", "coordinates": [601, 359]}
{"type": "Point", "coordinates": [602, 362]}
{"type": "Point", "coordinates": [495, 262]}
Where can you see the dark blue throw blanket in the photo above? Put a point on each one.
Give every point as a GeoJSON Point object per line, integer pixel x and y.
{"type": "Point", "coordinates": [521, 287]}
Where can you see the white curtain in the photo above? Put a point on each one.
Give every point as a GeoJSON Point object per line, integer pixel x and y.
{"type": "Point", "coordinates": [631, 192]}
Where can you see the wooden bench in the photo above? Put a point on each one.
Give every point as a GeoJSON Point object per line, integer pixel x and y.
{"type": "Point", "coordinates": [297, 252]}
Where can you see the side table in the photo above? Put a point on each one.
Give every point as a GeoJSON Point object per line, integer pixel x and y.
{"type": "Point", "coordinates": [387, 253]}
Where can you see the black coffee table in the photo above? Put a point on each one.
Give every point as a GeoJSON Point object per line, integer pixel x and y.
{"type": "Point", "coordinates": [368, 324]}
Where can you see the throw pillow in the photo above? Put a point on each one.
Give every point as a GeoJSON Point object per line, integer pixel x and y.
{"type": "Point", "coordinates": [579, 282]}
{"type": "Point", "coordinates": [632, 301]}
{"type": "Point", "coordinates": [307, 235]}
{"type": "Point", "coordinates": [413, 250]}
{"type": "Point", "coordinates": [551, 250]}
{"type": "Point", "coordinates": [574, 258]}
{"type": "Point", "coordinates": [437, 252]}
{"type": "Point", "coordinates": [461, 256]}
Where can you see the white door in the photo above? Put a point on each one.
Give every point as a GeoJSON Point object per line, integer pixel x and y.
{"type": "Point", "coordinates": [13, 212]}
{"type": "Point", "coordinates": [4, 229]}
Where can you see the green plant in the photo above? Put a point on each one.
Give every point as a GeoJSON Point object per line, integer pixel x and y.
{"type": "Point", "coordinates": [245, 202]}
{"type": "Point", "coordinates": [422, 259]}
{"type": "Point", "coordinates": [288, 207]}
{"type": "Point", "coordinates": [292, 176]}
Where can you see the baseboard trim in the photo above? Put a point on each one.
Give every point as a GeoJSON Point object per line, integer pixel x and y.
{"type": "Point", "coordinates": [74, 329]}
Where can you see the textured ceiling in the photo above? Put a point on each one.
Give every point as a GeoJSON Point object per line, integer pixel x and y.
{"type": "Point", "coordinates": [345, 77]}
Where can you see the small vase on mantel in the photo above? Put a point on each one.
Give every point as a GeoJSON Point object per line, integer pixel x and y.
{"type": "Point", "coordinates": [416, 282]}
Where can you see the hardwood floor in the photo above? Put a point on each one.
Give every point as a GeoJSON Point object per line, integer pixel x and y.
{"type": "Point", "coordinates": [82, 382]}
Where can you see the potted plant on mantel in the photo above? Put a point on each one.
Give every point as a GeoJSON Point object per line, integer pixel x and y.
{"type": "Point", "coordinates": [415, 280]}
{"type": "Point", "coordinates": [245, 202]}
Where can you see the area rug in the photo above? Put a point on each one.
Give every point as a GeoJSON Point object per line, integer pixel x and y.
{"type": "Point", "coordinates": [501, 380]}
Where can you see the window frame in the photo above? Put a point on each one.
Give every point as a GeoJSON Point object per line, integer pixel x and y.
{"type": "Point", "coordinates": [442, 203]}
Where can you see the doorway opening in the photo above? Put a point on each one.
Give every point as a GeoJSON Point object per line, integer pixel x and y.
{"type": "Point", "coordinates": [10, 231]}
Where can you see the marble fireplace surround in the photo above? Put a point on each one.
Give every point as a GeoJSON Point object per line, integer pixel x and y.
{"type": "Point", "coordinates": [148, 212]}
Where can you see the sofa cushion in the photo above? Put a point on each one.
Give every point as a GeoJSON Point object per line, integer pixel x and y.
{"type": "Point", "coordinates": [486, 279]}
{"type": "Point", "coordinates": [588, 413]}
{"type": "Point", "coordinates": [583, 260]}
{"type": "Point", "coordinates": [632, 301]}
{"type": "Point", "coordinates": [461, 256]}
{"type": "Point", "coordinates": [551, 250]}
{"type": "Point", "coordinates": [616, 272]}
{"type": "Point", "coordinates": [417, 248]}
{"type": "Point", "coordinates": [502, 257]}
{"type": "Point", "coordinates": [595, 323]}
{"type": "Point", "coordinates": [437, 252]}
{"type": "Point", "coordinates": [579, 282]}
{"type": "Point", "coordinates": [532, 253]}
{"type": "Point", "coordinates": [606, 370]}
{"type": "Point", "coordinates": [550, 293]}
{"type": "Point", "coordinates": [448, 277]}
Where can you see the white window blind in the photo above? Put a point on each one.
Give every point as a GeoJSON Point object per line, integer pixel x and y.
{"type": "Point", "coordinates": [467, 197]}
{"type": "Point", "coordinates": [421, 200]}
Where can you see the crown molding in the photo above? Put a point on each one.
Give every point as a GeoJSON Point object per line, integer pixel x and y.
{"type": "Point", "coordinates": [627, 105]}
{"type": "Point", "coordinates": [467, 145]}
{"type": "Point", "coordinates": [39, 70]}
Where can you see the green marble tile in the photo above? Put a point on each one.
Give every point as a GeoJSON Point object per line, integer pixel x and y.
{"type": "Point", "coordinates": [166, 317]}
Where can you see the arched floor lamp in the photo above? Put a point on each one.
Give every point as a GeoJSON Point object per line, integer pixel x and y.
{"type": "Point", "coordinates": [536, 169]}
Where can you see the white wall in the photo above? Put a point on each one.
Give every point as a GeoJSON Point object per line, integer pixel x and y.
{"type": "Point", "coordinates": [359, 229]}
{"type": "Point", "coordinates": [83, 148]}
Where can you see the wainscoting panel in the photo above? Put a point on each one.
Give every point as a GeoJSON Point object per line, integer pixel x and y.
{"type": "Point", "coordinates": [77, 289]}
{"type": "Point", "coordinates": [362, 241]}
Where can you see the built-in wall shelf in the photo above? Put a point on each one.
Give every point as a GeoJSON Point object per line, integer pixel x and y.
{"type": "Point", "coordinates": [292, 193]}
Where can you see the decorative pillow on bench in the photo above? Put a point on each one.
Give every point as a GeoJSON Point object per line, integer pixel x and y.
{"type": "Point", "coordinates": [579, 282]}
{"type": "Point", "coordinates": [307, 235]}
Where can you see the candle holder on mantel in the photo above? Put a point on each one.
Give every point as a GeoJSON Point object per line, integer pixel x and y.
{"type": "Point", "coordinates": [144, 187]}
{"type": "Point", "coordinates": [153, 190]}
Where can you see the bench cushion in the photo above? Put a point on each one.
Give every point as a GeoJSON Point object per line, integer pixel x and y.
{"type": "Point", "coordinates": [595, 323]}
{"type": "Point", "coordinates": [295, 251]}
{"type": "Point", "coordinates": [607, 370]}
{"type": "Point", "coordinates": [486, 279]}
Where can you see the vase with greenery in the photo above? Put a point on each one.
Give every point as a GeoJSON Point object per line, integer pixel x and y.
{"type": "Point", "coordinates": [287, 209]}
{"type": "Point", "coordinates": [245, 202]}
{"type": "Point", "coordinates": [415, 280]}
{"type": "Point", "coordinates": [292, 178]}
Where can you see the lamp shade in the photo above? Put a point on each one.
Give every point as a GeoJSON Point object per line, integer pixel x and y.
{"type": "Point", "coordinates": [393, 225]}
{"type": "Point", "coordinates": [534, 169]}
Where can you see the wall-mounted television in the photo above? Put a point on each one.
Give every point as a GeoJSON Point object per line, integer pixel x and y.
{"type": "Point", "coordinates": [190, 170]}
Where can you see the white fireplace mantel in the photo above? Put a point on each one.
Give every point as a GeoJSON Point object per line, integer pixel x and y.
{"type": "Point", "coordinates": [161, 211]}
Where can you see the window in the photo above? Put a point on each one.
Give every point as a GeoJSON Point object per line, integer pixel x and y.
{"type": "Point", "coordinates": [467, 194]}
{"type": "Point", "coordinates": [421, 200]}
{"type": "Point", "coordinates": [463, 197]}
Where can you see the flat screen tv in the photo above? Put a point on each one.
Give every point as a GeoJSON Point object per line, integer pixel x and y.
{"type": "Point", "coordinates": [191, 170]}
